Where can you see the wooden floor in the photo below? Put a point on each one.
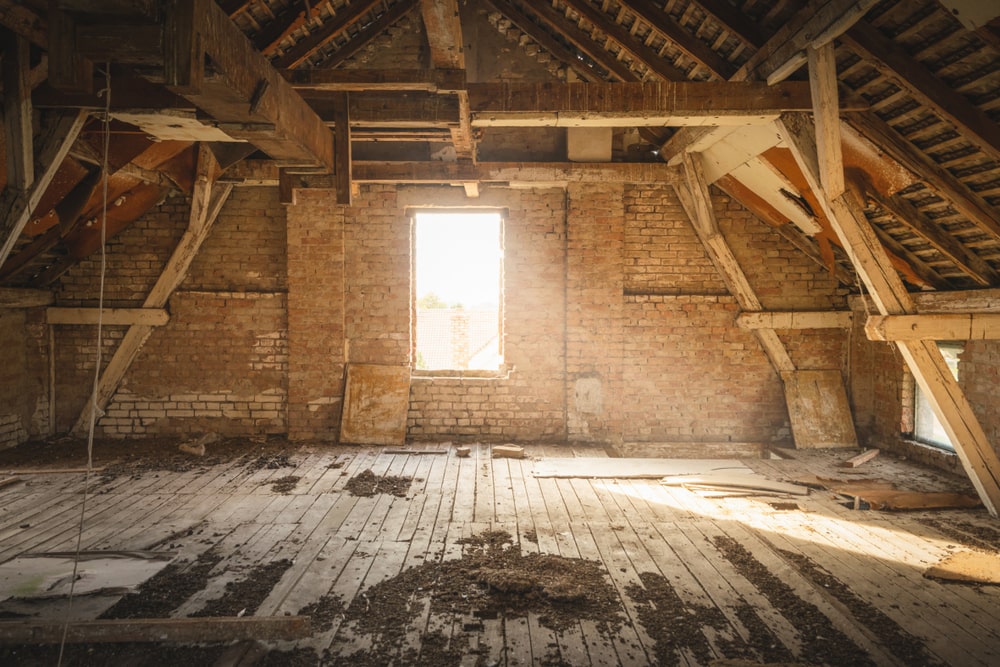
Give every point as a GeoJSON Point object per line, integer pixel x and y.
{"type": "Point", "coordinates": [804, 579]}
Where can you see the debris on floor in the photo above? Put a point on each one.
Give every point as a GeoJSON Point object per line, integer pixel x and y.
{"type": "Point", "coordinates": [598, 468]}
{"type": "Point", "coordinates": [508, 452]}
{"type": "Point", "coordinates": [367, 483]}
{"type": "Point", "coordinates": [721, 481]}
{"type": "Point", "coordinates": [463, 452]}
{"type": "Point", "coordinates": [860, 459]}
{"type": "Point", "coordinates": [196, 447]}
{"type": "Point", "coordinates": [888, 499]}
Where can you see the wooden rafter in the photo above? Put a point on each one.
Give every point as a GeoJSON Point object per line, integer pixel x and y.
{"type": "Point", "coordinates": [968, 203]}
{"type": "Point", "coordinates": [444, 35]}
{"type": "Point", "coordinates": [697, 202]}
{"type": "Point", "coordinates": [284, 24]}
{"type": "Point", "coordinates": [891, 298]}
{"type": "Point", "coordinates": [551, 45]}
{"type": "Point", "coordinates": [22, 21]}
{"type": "Point", "coordinates": [910, 216]}
{"type": "Point", "coordinates": [647, 55]}
{"type": "Point", "coordinates": [207, 200]}
{"type": "Point", "coordinates": [16, 206]}
{"type": "Point", "coordinates": [370, 31]}
{"type": "Point", "coordinates": [691, 46]}
{"type": "Point", "coordinates": [890, 59]}
{"type": "Point", "coordinates": [582, 40]}
{"type": "Point", "coordinates": [333, 28]}
{"type": "Point", "coordinates": [733, 20]}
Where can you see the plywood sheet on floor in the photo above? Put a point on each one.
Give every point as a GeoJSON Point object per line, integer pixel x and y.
{"type": "Point", "coordinates": [596, 468]}
{"type": "Point", "coordinates": [818, 409]}
{"type": "Point", "coordinates": [375, 402]}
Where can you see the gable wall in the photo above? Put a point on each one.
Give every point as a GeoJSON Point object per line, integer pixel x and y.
{"type": "Point", "coordinates": [617, 327]}
{"type": "Point", "coordinates": [24, 391]}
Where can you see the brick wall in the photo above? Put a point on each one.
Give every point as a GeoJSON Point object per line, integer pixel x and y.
{"type": "Point", "coordinates": [979, 375]}
{"type": "Point", "coordinates": [616, 325]}
{"type": "Point", "coordinates": [24, 399]}
{"type": "Point", "coordinates": [221, 362]}
{"type": "Point", "coordinates": [316, 342]}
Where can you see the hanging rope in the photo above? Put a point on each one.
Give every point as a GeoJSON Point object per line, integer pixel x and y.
{"type": "Point", "coordinates": [94, 410]}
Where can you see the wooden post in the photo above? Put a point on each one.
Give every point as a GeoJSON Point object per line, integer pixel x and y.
{"type": "Point", "coordinates": [206, 202]}
{"type": "Point", "coordinates": [342, 149]}
{"type": "Point", "coordinates": [17, 113]}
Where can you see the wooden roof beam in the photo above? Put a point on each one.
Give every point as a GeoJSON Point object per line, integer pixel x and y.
{"type": "Point", "coordinates": [647, 55]}
{"type": "Point", "coordinates": [582, 40]}
{"type": "Point", "coordinates": [733, 20]}
{"type": "Point", "coordinates": [908, 214]}
{"type": "Point", "coordinates": [284, 24]}
{"type": "Point", "coordinates": [360, 80]}
{"type": "Point", "coordinates": [890, 59]}
{"type": "Point", "coordinates": [939, 326]}
{"type": "Point", "coordinates": [248, 90]}
{"type": "Point", "coordinates": [17, 112]}
{"type": "Point", "coordinates": [444, 35]}
{"type": "Point", "coordinates": [636, 104]}
{"type": "Point", "coordinates": [815, 25]}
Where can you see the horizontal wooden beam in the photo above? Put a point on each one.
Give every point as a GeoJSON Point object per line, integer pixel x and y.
{"type": "Point", "coordinates": [260, 172]}
{"type": "Point", "coordinates": [958, 301]}
{"type": "Point", "coordinates": [153, 317]}
{"type": "Point", "coordinates": [637, 104]}
{"type": "Point", "coordinates": [173, 630]}
{"type": "Point", "coordinates": [15, 297]}
{"type": "Point", "coordinates": [430, 80]}
{"type": "Point", "coordinates": [934, 326]}
{"type": "Point", "coordinates": [825, 319]}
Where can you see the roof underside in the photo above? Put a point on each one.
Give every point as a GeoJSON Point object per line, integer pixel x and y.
{"type": "Point", "coordinates": [919, 84]}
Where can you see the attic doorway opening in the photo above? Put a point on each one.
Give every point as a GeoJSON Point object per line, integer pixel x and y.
{"type": "Point", "coordinates": [457, 290]}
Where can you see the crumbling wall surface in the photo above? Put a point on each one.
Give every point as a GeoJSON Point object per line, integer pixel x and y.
{"type": "Point", "coordinates": [220, 364]}
{"type": "Point", "coordinates": [24, 400]}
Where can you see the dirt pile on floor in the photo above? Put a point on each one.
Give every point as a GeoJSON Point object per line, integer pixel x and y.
{"type": "Point", "coordinates": [367, 483]}
{"type": "Point", "coordinates": [492, 580]}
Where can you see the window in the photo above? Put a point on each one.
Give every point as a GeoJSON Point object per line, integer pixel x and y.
{"type": "Point", "coordinates": [927, 427]}
{"type": "Point", "coordinates": [457, 290]}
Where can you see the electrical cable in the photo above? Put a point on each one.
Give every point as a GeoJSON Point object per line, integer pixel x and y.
{"type": "Point", "coordinates": [94, 409]}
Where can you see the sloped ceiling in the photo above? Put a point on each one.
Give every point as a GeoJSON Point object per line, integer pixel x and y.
{"type": "Point", "coordinates": [919, 85]}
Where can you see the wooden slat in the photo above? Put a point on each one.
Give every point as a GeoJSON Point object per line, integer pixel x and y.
{"type": "Point", "coordinates": [153, 317]}
{"type": "Point", "coordinates": [829, 319]}
{"type": "Point", "coordinates": [941, 326]}
{"type": "Point", "coordinates": [889, 58]}
{"type": "Point", "coordinates": [968, 203]}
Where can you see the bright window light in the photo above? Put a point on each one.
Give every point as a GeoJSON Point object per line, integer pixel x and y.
{"type": "Point", "coordinates": [458, 274]}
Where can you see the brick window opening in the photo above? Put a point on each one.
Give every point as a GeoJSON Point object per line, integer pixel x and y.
{"type": "Point", "coordinates": [457, 290]}
{"type": "Point", "coordinates": [927, 428]}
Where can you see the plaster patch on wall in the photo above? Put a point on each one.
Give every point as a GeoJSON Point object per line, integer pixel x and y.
{"type": "Point", "coordinates": [588, 395]}
{"type": "Point", "coordinates": [12, 431]}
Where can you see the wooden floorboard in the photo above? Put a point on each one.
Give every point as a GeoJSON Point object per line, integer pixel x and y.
{"type": "Point", "coordinates": [339, 545]}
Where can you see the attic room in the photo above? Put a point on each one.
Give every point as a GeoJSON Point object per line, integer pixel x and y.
{"type": "Point", "coordinates": [494, 332]}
